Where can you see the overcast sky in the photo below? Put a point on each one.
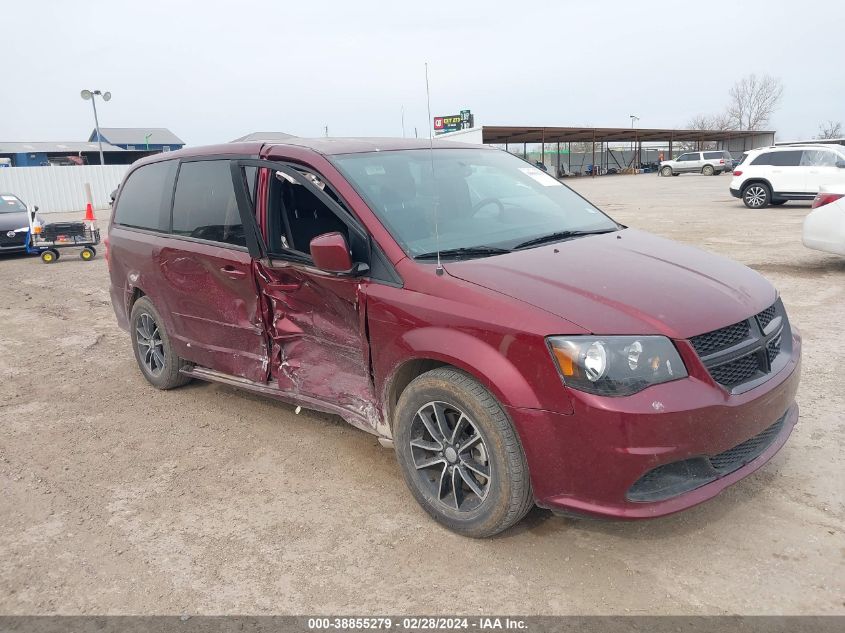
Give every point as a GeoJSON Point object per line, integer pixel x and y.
{"type": "Point", "coordinates": [211, 71]}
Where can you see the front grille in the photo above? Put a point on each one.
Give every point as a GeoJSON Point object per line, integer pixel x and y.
{"type": "Point", "coordinates": [766, 316]}
{"type": "Point", "coordinates": [720, 339]}
{"type": "Point", "coordinates": [19, 239]}
{"type": "Point", "coordinates": [671, 480]}
{"type": "Point", "coordinates": [744, 354]}
{"type": "Point", "coordinates": [736, 372]}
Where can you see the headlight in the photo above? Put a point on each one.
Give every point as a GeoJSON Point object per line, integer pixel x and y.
{"type": "Point", "coordinates": [615, 365]}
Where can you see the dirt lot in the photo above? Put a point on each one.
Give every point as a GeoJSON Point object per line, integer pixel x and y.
{"type": "Point", "coordinates": [117, 498]}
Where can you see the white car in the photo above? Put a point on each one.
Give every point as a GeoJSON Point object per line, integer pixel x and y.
{"type": "Point", "coordinates": [774, 175]}
{"type": "Point", "coordinates": [824, 228]}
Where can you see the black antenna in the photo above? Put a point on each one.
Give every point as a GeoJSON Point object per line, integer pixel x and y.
{"type": "Point", "coordinates": [439, 269]}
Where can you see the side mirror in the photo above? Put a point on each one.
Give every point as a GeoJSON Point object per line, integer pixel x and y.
{"type": "Point", "coordinates": [330, 253]}
{"type": "Point", "coordinates": [35, 208]}
{"type": "Point", "coordinates": [840, 164]}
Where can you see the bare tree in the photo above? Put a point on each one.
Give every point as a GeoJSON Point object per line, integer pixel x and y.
{"type": "Point", "coordinates": [753, 99]}
{"type": "Point", "coordinates": [830, 129]}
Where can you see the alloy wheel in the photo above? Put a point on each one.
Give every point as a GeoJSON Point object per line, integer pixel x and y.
{"type": "Point", "coordinates": [755, 196]}
{"type": "Point", "coordinates": [150, 345]}
{"type": "Point", "coordinates": [450, 456]}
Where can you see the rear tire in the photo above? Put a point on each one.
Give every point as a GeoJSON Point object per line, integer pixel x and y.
{"type": "Point", "coordinates": [154, 353]}
{"type": "Point", "coordinates": [757, 195]}
{"type": "Point", "coordinates": [460, 455]}
{"type": "Point", "coordinates": [87, 254]}
{"type": "Point", "coordinates": [707, 170]}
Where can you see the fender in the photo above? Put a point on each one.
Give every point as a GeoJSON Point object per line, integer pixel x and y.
{"type": "Point", "coordinates": [488, 364]}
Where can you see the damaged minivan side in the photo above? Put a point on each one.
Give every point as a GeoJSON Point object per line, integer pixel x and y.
{"type": "Point", "coordinates": [514, 344]}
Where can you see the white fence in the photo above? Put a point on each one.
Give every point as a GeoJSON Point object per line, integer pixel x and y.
{"type": "Point", "coordinates": [58, 189]}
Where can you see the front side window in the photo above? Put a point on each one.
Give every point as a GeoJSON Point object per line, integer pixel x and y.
{"type": "Point", "coordinates": [474, 197]}
{"type": "Point", "coordinates": [818, 158]}
{"type": "Point", "coordinates": [204, 206]}
{"type": "Point", "coordinates": [144, 200]}
{"type": "Point", "coordinates": [296, 215]}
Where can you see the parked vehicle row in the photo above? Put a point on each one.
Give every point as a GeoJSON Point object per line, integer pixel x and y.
{"type": "Point", "coordinates": [513, 343]}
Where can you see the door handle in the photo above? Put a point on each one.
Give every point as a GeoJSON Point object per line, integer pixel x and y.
{"type": "Point", "coordinates": [232, 272]}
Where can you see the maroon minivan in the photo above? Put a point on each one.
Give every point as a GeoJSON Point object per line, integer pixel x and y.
{"type": "Point", "coordinates": [514, 344]}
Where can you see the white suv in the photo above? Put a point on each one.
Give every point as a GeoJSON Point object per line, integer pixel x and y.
{"type": "Point", "coordinates": [711, 163]}
{"type": "Point", "coordinates": [773, 175]}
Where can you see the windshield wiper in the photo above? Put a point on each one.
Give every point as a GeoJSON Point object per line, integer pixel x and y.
{"type": "Point", "coordinates": [561, 235]}
{"type": "Point", "coordinates": [465, 251]}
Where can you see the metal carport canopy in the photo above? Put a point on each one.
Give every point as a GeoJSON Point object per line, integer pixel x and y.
{"type": "Point", "coordinates": [517, 134]}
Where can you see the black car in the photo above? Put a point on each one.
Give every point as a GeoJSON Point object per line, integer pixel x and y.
{"type": "Point", "coordinates": [14, 224]}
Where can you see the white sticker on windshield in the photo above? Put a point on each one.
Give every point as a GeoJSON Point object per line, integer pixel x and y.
{"type": "Point", "coordinates": [540, 176]}
{"type": "Point", "coordinates": [374, 170]}
{"type": "Point", "coordinates": [10, 198]}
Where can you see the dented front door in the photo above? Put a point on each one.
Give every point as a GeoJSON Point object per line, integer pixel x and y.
{"type": "Point", "coordinates": [319, 346]}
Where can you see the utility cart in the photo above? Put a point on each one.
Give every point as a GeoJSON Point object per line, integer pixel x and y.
{"type": "Point", "coordinates": [48, 239]}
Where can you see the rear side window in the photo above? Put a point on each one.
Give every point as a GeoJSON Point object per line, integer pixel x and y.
{"type": "Point", "coordinates": [204, 206]}
{"type": "Point", "coordinates": [714, 154]}
{"type": "Point", "coordinates": [144, 201]}
{"type": "Point", "coordinates": [791, 158]}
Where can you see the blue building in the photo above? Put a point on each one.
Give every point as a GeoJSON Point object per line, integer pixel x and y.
{"type": "Point", "coordinates": [152, 139]}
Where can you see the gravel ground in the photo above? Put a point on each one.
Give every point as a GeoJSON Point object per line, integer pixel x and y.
{"type": "Point", "coordinates": [117, 498]}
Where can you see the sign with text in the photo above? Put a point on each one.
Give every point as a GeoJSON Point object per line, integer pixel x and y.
{"type": "Point", "coordinates": [453, 122]}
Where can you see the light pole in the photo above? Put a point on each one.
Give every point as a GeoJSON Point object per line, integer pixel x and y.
{"type": "Point", "coordinates": [634, 117]}
{"type": "Point", "coordinates": [91, 95]}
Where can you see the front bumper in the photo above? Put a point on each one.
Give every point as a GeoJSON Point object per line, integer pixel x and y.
{"type": "Point", "coordinates": [588, 462]}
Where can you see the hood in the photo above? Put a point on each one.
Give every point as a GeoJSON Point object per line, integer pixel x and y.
{"type": "Point", "coordinates": [627, 282]}
{"type": "Point", "coordinates": [13, 221]}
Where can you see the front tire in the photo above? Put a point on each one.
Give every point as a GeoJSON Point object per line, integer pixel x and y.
{"type": "Point", "coordinates": [460, 455]}
{"type": "Point", "coordinates": [666, 171]}
{"type": "Point", "coordinates": [757, 195]}
{"type": "Point", "coordinates": [157, 361]}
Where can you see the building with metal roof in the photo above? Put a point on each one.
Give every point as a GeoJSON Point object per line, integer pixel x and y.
{"type": "Point", "coordinates": [592, 144]}
{"type": "Point", "coordinates": [139, 138]}
{"type": "Point", "coordinates": [34, 154]}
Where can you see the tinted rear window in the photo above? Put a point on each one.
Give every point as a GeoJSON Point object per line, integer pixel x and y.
{"type": "Point", "coordinates": [714, 154]}
{"type": "Point", "coordinates": [204, 206]}
{"type": "Point", "coordinates": [144, 201]}
{"type": "Point", "coordinates": [791, 158]}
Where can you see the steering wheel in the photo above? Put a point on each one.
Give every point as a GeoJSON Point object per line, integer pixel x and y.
{"type": "Point", "coordinates": [484, 202]}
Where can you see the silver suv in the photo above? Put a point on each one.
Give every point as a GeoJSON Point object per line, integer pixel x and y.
{"type": "Point", "coordinates": [710, 163]}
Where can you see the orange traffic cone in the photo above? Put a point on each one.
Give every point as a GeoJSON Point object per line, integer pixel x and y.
{"type": "Point", "coordinates": [89, 212]}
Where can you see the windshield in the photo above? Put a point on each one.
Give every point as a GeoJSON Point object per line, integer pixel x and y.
{"type": "Point", "coordinates": [477, 197]}
{"type": "Point", "coordinates": [11, 204]}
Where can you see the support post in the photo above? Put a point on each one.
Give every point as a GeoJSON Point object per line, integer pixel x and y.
{"type": "Point", "coordinates": [593, 173]}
